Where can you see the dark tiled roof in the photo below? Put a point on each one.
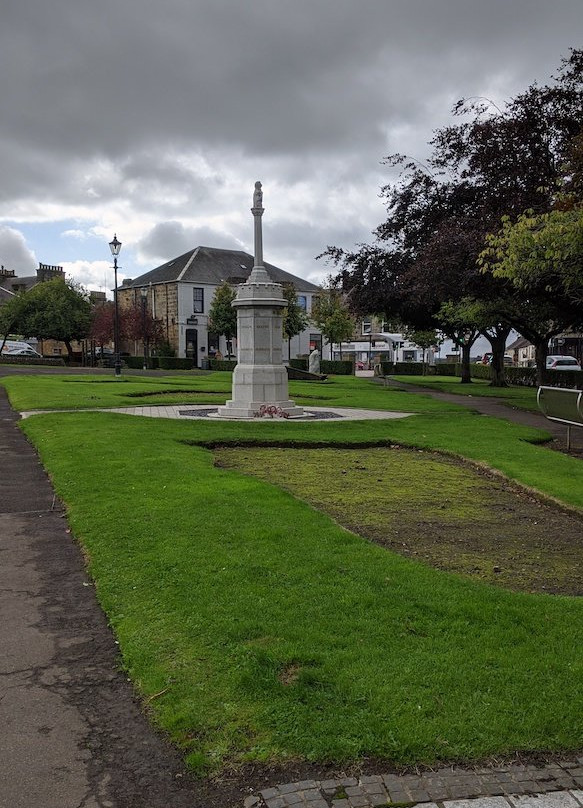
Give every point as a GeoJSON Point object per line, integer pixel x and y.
{"type": "Point", "coordinates": [213, 266]}
{"type": "Point", "coordinates": [5, 295]}
{"type": "Point", "coordinates": [16, 283]}
{"type": "Point", "coordinates": [521, 342]}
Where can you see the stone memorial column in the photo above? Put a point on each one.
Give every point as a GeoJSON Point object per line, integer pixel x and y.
{"type": "Point", "coordinates": [260, 385]}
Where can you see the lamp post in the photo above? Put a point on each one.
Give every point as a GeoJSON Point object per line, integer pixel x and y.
{"type": "Point", "coordinates": [144, 293]}
{"type": "Point", "coordinates": [115, 247]}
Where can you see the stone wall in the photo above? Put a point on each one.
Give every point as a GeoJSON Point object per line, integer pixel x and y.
{"type": "Point", "coordinates": [162, 304]}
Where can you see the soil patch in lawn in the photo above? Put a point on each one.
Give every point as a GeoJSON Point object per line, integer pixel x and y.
{"type": "Point", "coordinates": [439, 510]}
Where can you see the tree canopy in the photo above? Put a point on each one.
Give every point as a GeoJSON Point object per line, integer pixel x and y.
{"type": "Point", "coordinates": [491, 163]}
{"type": "Point", "coordinates": [222, 315]}
{"type": "Point", "coordinates": [57, 309]}
{"type": "Point", "coordinates": [331, 316]}
{"type": "Point", "coordinates": [295, 319]}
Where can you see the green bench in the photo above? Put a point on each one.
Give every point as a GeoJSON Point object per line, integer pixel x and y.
{"type": "Point", "coordinates": [562, 405]}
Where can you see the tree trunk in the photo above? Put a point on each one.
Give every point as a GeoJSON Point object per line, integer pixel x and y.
{"type": "Point", "coordinates": [497, 340]}
{"type": "Point", "coordinates": [498, 376]}
{"type": "Point", "coordinates": [69, 348]}
{"type": "Point", "coordinates": [541, 351]}
{"type": "Point", "coordinates": [466, 377]}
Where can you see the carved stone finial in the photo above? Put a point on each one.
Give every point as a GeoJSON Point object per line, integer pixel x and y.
{"type": "Point", "coordinates": [257, 196]}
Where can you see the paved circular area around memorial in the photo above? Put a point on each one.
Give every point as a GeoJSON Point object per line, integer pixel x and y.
{"type": "Point", "coordinates": [181, 411]}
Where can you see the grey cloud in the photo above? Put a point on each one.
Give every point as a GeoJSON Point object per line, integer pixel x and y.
{"type": "Point", "coordinates": [166, 112]}
{"type": "Point", "coordinates": [15, 254]}
{"type": "Point", "coordinates": [170, 239]}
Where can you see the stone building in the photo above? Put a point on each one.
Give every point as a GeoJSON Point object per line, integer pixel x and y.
{"type": "Point", "coordinates": [180, 293]}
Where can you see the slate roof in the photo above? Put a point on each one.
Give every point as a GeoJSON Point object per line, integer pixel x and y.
{"type": "Point", "coordinates": [213, 266]}
{"type": "Point", "coordinates": [16, 282]}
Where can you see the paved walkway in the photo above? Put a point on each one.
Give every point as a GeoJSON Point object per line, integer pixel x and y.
{"type": "Point", "coordinates": [72, 734]}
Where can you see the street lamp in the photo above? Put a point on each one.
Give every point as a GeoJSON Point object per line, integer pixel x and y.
{"type": "Point", "coordinates": [115, 247]}
{"type": "Point", "coordinates": [144, 293]}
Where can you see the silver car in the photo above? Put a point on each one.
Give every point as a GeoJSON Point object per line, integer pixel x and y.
{"type": "Point", "coordinates": [562, 363]}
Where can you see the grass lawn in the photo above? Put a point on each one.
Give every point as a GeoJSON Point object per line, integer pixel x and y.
{"type": "Point", "coordinates": [83, 392]}
{"type": "Point", "coordinates": [269, 631]}
{"type": "Point", "coordinates": [523, 398]}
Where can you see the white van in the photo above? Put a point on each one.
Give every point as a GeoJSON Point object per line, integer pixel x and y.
{"type": "Point", "coordinates": [15, 347]}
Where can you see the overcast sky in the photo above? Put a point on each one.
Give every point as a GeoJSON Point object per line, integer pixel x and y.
{"type": "Point", "coordinates": [153, 121]}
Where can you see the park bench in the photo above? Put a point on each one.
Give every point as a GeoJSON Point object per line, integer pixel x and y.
{"type": "Point", "coordinates": [562, 405]}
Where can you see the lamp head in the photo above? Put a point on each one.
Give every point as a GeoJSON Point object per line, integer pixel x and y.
{"type": "Point", "coordinates": [115, 246]}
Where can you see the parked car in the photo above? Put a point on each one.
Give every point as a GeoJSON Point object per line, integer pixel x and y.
{"type": "Point", "coordinates": [562, 363]}
{"type": "Point", "coordinates": [487, 359]}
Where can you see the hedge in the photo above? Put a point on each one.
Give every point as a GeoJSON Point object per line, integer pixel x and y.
{"type": "Point", "coordinates": [337, 367]}
{"type": "Point", "coordinates": [222, 364]}
{"type": "Point", "coordinates": [175, 363]}
{"type": "Point", "coordinates": [445, 369]}
{"type": "Point", "coordinates": [6, 359]}
{"type": "Point", "coordinates": [478, 371]}
{"type": "Point", "coordinates": [299, 363]}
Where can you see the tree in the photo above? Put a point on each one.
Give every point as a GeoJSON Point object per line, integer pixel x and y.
{"type": "Point", "coordinates": [499, 162]}
{"type": "Point", "coordinates": [138, 324]}
{"type": "Point", "coordinates": [101, 329]}
{"type": "Point", "coordinates": [331, 316]}
{"type": "Point", "coordinates": [425, 339]}
{"type": "Point", "coordinates": [542, 258]}
{"type": "Point", "coordinates": [57, 309]}
{"type": "Point", "coordinates": [540, 254]}
{"type": "Point", "coordinates": [222, 315]}
{"type": "Point", "coordinates": [10, 316]}
{"type": "Point", "coordinates": [295, 319]}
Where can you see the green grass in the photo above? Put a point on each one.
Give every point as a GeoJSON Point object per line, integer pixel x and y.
{"type": "Point", "coordinates": [523, 398]}
{"type": "Point", "coordinates": [270, 632]}
{"type": "Point", "coordinates": [83, 392]}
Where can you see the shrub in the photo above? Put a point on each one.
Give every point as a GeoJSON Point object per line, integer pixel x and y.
{"type": "Point", "coordinates": [174, 363]}
{"type": "Point", "coordinates": [135, 362]}
{"type": "Point", "coordinates": [563, 378]}
{"type": "Point", "coordinates": [222, 364]}
{"type": "Point", "coordinates": [337, 367]}
{"type": "Point", "coordinates": [523, 377]}
{"type": "Point", "coordinates": [6, 359]}
{"type": "Point", "coordinates": [444, 369]}
{"type": "Point", "coordinates": [301, 363]}
{"type": "Point", "coordinates": [478, 371]}
{"type": "Point", "coordinates": [408, 368]}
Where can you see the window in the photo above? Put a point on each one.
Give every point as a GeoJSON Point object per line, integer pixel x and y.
{"type": "Point", "coordinates": [303, 302]}
{"type": "Point", "coordinates": [198, 300]}
{"type": "Point", "coordinates": [316, 342]}
{"type": "Point", "coordinates": [367, 326]}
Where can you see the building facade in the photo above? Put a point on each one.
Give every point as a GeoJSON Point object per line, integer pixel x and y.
{"type": "Point", "coordinates": [180, 292]}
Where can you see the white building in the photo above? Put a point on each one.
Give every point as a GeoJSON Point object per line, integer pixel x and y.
{"type": "Point", "coordinates": [180, 293]}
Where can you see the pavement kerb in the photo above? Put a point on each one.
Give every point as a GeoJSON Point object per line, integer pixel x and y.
{"type": "Point", "coordinates": [552, 785]}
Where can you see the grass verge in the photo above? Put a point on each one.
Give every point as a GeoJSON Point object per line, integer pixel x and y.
{"type": "Point", "coordinates": [523, 398]}
{"type": "Point", "coordinates": [272, 633]}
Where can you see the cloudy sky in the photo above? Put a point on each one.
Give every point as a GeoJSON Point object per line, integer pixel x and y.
{"type": "Point", "coordinates": [153, 120]}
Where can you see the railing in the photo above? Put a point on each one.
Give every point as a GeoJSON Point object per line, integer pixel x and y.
{"type": "Point", "coordinates": [564, 406]}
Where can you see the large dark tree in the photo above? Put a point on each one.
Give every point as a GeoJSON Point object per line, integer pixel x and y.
{"type": "Point", "coordinates": [498, 162]}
